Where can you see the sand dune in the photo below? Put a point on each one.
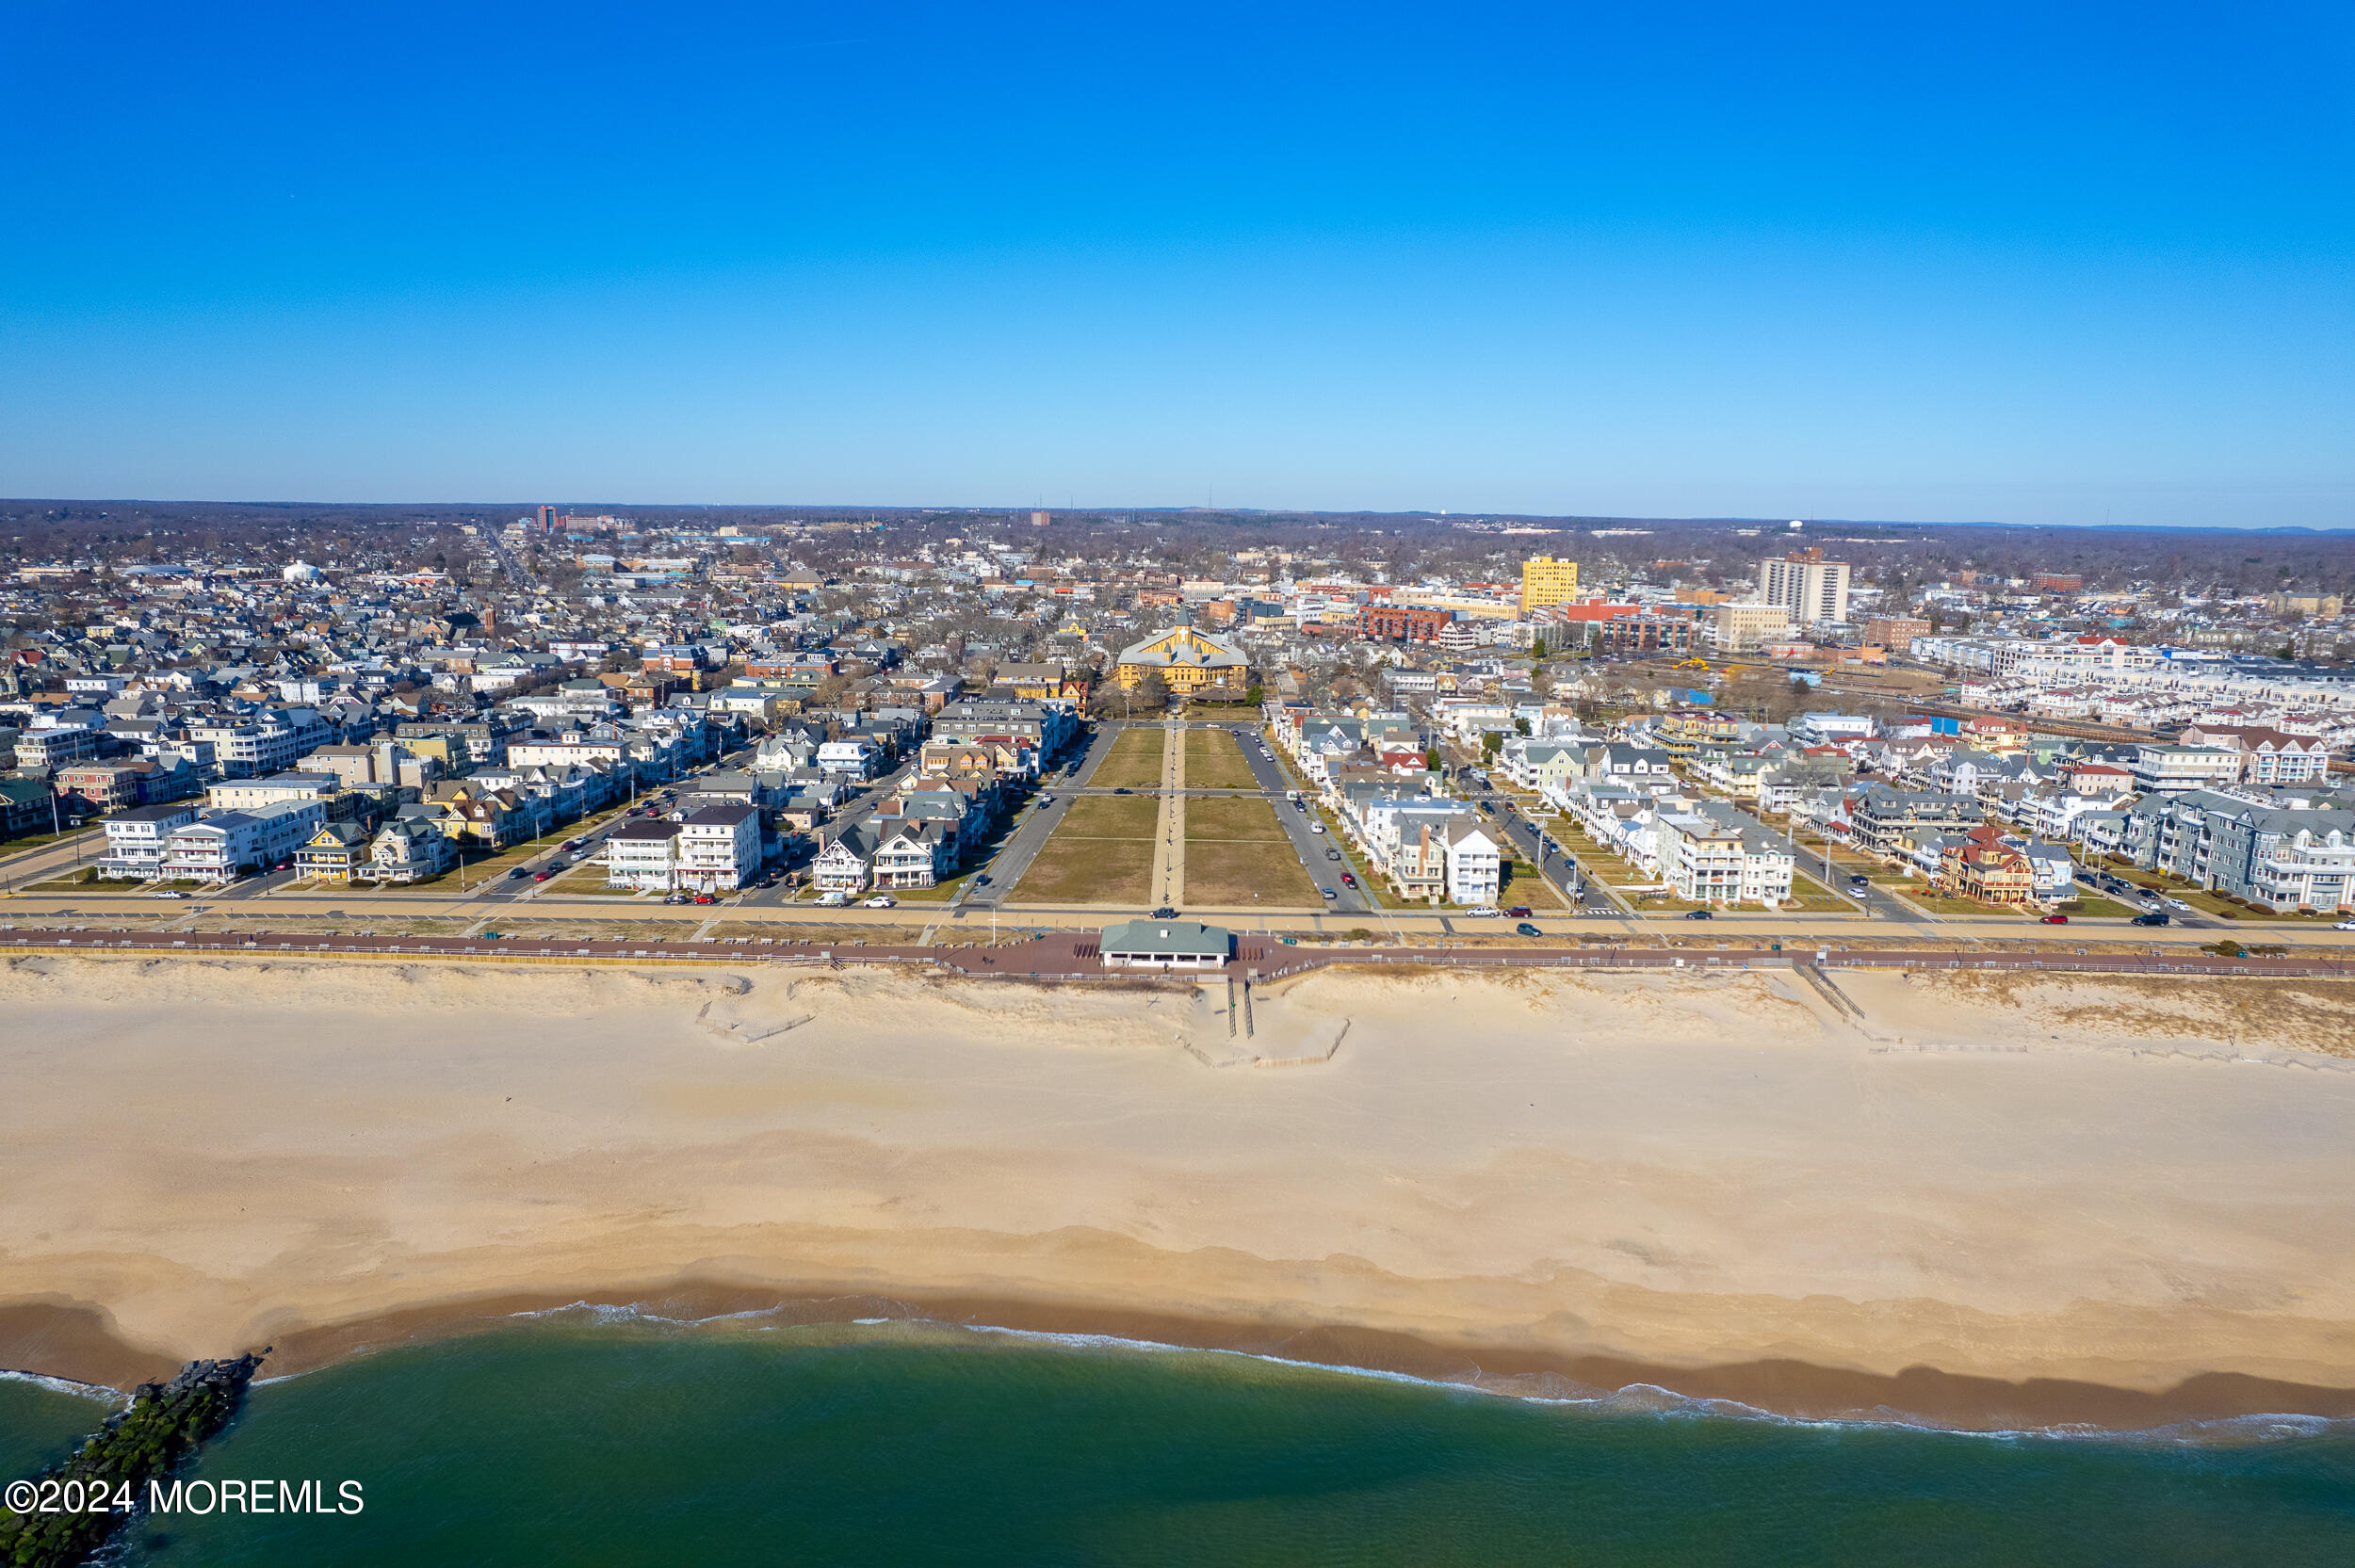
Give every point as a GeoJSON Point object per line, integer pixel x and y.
{"type": "Point", "coordinates": [2129, 1183]}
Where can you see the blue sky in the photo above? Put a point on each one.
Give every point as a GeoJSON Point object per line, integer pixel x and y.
{"type": "Point", "coordinates": [2038, 264]}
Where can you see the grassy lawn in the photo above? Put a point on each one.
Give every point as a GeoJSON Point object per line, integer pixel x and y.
{"type": "Point", "coordinates": [1101, 852]}
{"type": "Point", "coordinates": [1213, 761]}
{"type": "Point", "coordinates": [941, 890]}
{"type": "Point", "coordinates": [1227, 873]}
{"type": "Point", "coordinates": [1134, 762]}
{"type": "Point", "coordinates": [84, 880]}
{"type": "Point", "coordinates": [1520, 883]}
{"type": "Point", "coordinates": [1089, 871]}
{"type": "Point", "coordinates": [2099, 908]}
{"type": "Point", "coordinates": [582, 879]}
{"type": "Point", "coordinates": [1661, 903]}
{"type": "Point", "coordinates": [1231, 817]}
{"type": "Point", "coordinates": [1109, 817]}
{"type": "Point", "coordinates": [1237, 854]}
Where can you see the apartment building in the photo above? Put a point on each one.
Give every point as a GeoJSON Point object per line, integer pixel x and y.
{"type": "Point", "coordinates": [2173, 770]}
{"type": "Point", "coordinates": [719, 847]}
{"type": "Point", "coordinates": [1806, 586]}
{"type": "Point", "coordinates": [644, 855]}
{"type": "Point", "coordinates": [226, 844]}
{"type": "Point", "coordinates": [2268, 757]}
{"type": "Point", "coordinates": [249, 750]}
{"type": "Point", "coordinates": [1546, 581]}
{"type": "Point", "coordinates": [136, 840]}
{"type": "Point", "coordinates": [1740, 628]}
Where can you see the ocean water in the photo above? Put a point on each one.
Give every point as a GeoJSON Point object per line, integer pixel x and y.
{"type": "Point", "coordinates": [41, 1423]}
{"type": "Point", "coordinates": [580, 1441]}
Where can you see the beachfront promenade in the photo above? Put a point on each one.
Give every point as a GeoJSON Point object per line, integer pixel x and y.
{"type": "Point", "coordinates": [1069, 957]}
{"type": "Point", "coordinates": [927, 923]}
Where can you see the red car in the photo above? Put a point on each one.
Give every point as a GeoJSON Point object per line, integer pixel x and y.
{"type": "Point", "coordinates": [1348, 881]}
{"type": "Point", "coordinates": [706, 898]}
{"type": "Point", "coordinates": [2056, 920]}
{"type": "Point", "coordinates": [538, 876]}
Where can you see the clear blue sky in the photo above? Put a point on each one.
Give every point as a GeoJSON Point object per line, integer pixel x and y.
{"type": "Point", "coordinates": [2043, 263]}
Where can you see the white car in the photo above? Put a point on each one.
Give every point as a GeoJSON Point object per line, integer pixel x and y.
{"type": "Point", "coordinates": [881, 901]}
{"type": "Point", "coordinates": [2177, 903]}
{"type": "Point", "coordinates": [1316, 827]}
{"type": "Point", "coordinates": [167, 893]}
{"type": "Point", "coordinates": [1485, 913]}
{"type": "Point", "coordinates": [2345, 926]}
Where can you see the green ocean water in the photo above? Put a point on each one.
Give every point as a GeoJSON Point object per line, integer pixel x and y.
{"type": "Point", "coordinates": [40, 1425]}
{"type": "Point", "coordinates": [572, 1440]}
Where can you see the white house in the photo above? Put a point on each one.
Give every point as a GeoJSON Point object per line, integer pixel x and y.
{"type": "Point", "coordinates": [719, 846]}
{"type": "Point", "coordinates": [135, 839]}
{"type": "Point", "coordinates": [846, 861]}
{"type": "Point", "coordinates": [218, 848]}
{"type": "Point", "coordinates": [852, 758]}
{"type": "Point", "coordinates": [644, 855]}
{"type": "Point", "coordinates": [1474, 867]}
{"type": "Point", "coordinates": [410, 850]}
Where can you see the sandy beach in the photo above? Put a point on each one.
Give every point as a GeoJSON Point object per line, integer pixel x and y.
{"type": "Point", "coordinates": [1996, 1199]}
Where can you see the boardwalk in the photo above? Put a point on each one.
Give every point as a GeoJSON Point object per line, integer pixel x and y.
{"type": "Point", "coordinates": [1070, 956]}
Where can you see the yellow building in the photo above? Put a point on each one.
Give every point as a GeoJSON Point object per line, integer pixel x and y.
{"type": "Point", "coordinates": [1188, 662]}
{"type": "Point", "coordinates": [1548, 581]}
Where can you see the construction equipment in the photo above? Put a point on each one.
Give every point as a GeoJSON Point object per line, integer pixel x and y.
{"type": "Point", "coordinates": [1691, 664]}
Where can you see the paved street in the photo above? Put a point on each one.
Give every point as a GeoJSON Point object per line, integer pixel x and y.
{"type": "Point", "coordinates": [1325, 855]}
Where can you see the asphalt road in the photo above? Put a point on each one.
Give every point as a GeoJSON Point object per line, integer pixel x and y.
{"type": "Point", "coordinates": [1316, 850]}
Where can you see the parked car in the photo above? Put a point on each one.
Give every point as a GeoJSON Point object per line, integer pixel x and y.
{"type": "Point", "coordinates": [1858, 879]}
{"type": "Point", "coordinates": [881, 901]}
{"type": "Point", "coordinates": [2160, 917]}
{"type": "Point", "coordinates": [540, 876]}
{"type": "Point", "coordinates": [707, 897]}
{"type": "Point", "coordinates": [1518, 912]}
{"type": "Point", "coordinates": [1123, 790]}
{"type": "Point", "coordinates": [1700, 914]}
{"type": "Point", "coordinates": [1328, 893]}
{"type": "Point", "coordinates": [167, 893]}
{"type": "Point", "coordinates": [2056, 920]}
{"type": "Point", "coordinates": [2345, 926]}
{"type": "Point", "coordinates": [1486, 912]}
{"type": "Point", "coordinates": [1348, 881]}
{"type": "Point", "coordinates": [518, 871]}
{"type": "Point", "coordinates": [1332, 854]}
{"type": "Point", "coordinates": [2177, 904]}
{"type": "Point", "coordinates": [675, 897]}
{"type": "Point", "coordinates": [570, 845]}
{"type": "Point", "coordinates": [1525, 928]}
{"type": "Point", "coordinates": [833, 901]}
{"type": "Point", "coordinates": [1316, 827]}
